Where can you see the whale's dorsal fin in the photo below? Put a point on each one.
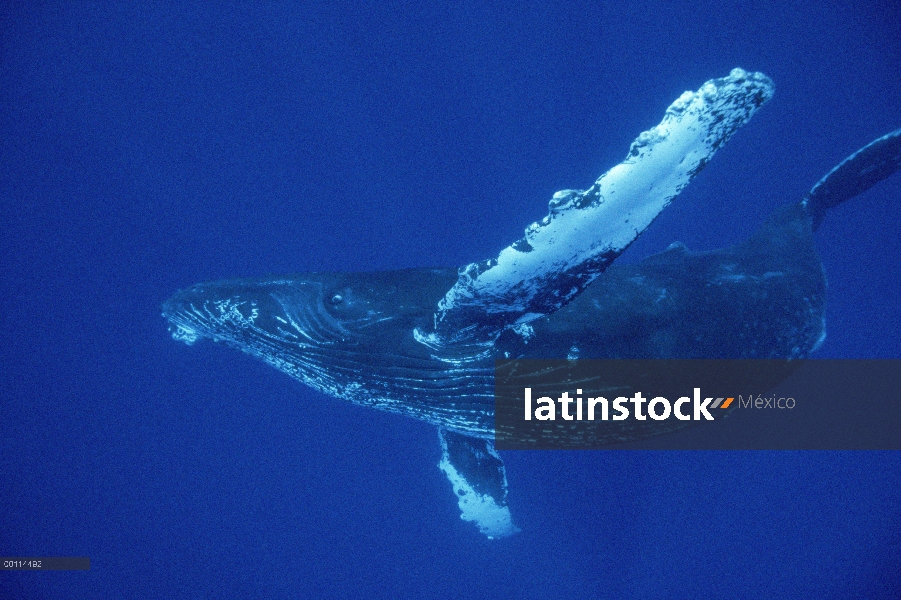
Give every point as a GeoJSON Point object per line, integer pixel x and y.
{"type": "Point", "coordinates": [586, 230]}
{"type": "Point", "coordinates": [856, 174]}
{"type": "Point", "coordinates": [479, 479]}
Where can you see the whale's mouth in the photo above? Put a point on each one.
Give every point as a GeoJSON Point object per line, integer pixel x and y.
{"type": "Point", "coordinates": [267, 312]}
{"type": "Point", "coordinates": [287, 323]}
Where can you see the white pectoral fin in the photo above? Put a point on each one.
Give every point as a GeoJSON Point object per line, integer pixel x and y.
{"type": "Point", "coordinates": [479, 481]}
{"type": "Point", "coordinates": [586, 230]}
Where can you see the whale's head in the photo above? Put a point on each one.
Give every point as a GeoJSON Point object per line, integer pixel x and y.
{"type": "Point", "coordinates": [338, 332]}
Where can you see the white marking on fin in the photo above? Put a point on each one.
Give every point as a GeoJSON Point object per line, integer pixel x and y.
{"type": "Point", "coordinates": [492, 519]}
{"type": "Point", "coordinates": [584, 231]}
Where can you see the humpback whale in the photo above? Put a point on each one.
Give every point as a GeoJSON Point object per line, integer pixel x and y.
{"type": "Point", "coordinates": [422, 342]}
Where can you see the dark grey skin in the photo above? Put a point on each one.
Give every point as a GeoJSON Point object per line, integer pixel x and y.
{"type": "Point", "coordinates": [354, 335]}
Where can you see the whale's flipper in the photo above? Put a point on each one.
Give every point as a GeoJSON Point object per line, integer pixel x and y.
{"type": "Point", "coordinates": [854, 175]}
{"type": "Point", "coordinates": [479, 479]}
{"type": "Point", "coordinates": [586, 230]}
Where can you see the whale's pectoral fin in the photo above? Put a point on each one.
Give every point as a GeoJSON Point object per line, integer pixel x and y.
{"type": "Point", "coordinates": [586, 230]}
{"type": "Point", "coordinates": [479, 480]}
{"type": "Point", "coordinates": [856, 174]}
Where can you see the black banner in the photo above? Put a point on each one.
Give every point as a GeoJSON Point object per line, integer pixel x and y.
{"type": "Point", "coordinates": [45, 563]}
{"type": "Point", "coordinates": [698, 404]}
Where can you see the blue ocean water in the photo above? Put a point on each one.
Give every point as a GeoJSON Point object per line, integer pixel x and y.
{"type": "Point", "coordinates": [146, 148]}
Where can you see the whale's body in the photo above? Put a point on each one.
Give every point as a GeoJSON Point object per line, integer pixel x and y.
{"type": "Point", "coordinates": [670, 305]}
{"type": "Point", "coordinates": [422, 342]}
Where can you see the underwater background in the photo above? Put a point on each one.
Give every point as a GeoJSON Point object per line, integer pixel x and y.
{"type": "Point", "coordinates": [147, 147]}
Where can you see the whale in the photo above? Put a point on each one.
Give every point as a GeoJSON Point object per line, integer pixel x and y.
{"type": "Point", "coordinates": [423, 342]}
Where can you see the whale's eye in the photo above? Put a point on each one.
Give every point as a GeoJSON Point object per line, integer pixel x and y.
{"type": "Point", "coordinates": [337, 299]}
